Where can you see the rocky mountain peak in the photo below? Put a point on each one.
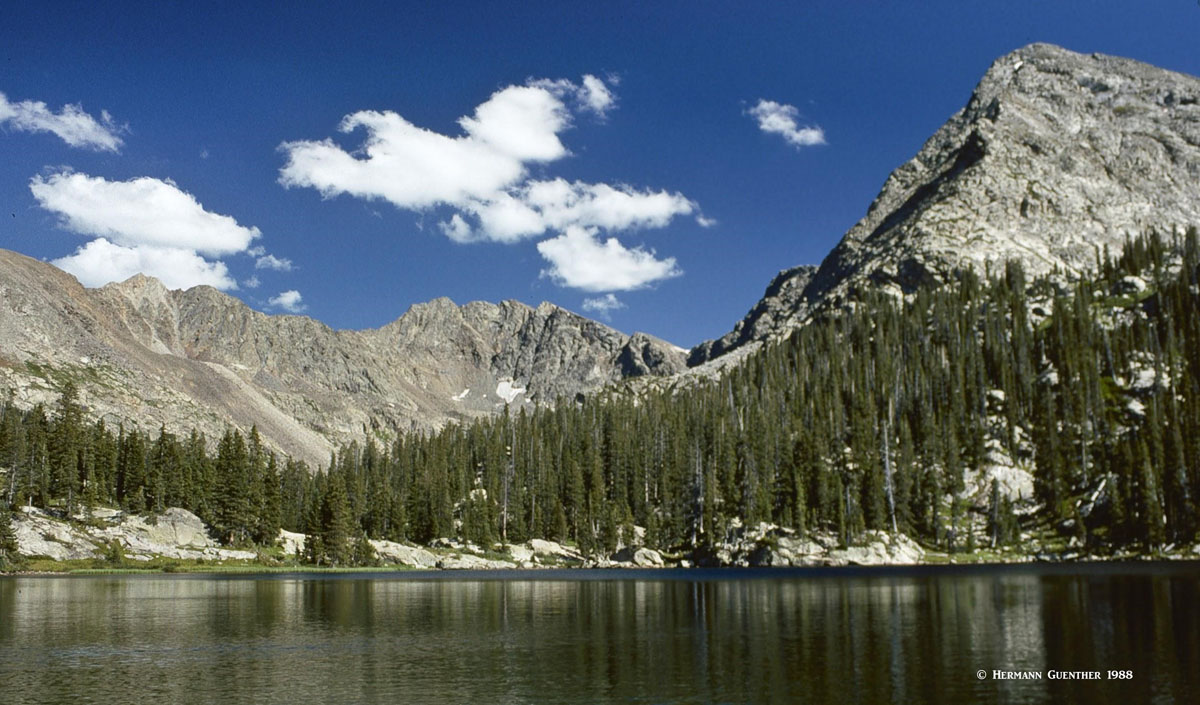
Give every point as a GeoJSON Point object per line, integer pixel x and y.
{"type": "Point", "coordinates": [201, 358]}
{"type": "Point", "coordinates": [1055, 156]}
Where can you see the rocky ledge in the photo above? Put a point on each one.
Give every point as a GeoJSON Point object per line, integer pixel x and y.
{"type": "Point", "coordinates": [178, 534]}
{"type": "Point", "coordinates": [767, 545]}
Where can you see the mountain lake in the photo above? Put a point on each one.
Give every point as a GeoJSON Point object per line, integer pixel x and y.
{"type": "Point", "coordinates": [1086, 633]}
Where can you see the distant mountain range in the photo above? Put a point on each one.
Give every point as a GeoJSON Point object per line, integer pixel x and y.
{"type": "Point", "coordinates": [198, 358]}
{"type": "Point", "coordinates": [1056, 156]}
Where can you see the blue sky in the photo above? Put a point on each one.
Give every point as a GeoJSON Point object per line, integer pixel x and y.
{"type": "Point", "coordinates": [611, 158]}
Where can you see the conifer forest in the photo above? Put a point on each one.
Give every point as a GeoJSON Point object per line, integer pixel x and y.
{"type": "Point", "coordinates": [881, 413]}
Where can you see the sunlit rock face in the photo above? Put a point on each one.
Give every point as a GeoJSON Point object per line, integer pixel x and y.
{"type": "Point", "coordinates": [1056, 156]}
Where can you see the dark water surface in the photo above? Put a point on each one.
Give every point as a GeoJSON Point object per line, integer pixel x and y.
{"type": "Point", "coordinates": [773, 636]}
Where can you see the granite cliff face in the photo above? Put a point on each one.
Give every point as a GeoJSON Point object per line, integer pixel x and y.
{"type": "Point", "coordinates": [199, 358]}
{"type": "Point", "coordinates": [1055, 156]}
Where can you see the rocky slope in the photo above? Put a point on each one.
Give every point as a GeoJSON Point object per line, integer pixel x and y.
{"type": "Point", "coordinates": [770, 317]}
{"type": "Point", "coordinates": [198, 358]}
{"type": "Point", "coordinates": [1055, 155]}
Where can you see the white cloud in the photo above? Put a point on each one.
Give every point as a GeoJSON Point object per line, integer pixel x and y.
{"type": "Point", "coordinates": [142, 211]}
{"type": "Point", "coordinates": [71, 124]}
{"type": "Point", "coordinates": [603, 305]}
{"type": "Point", "coordinates": [590, 95]}
{"type": "Point", "coordinates": [780, 119]}
{"type": "Point", "coordinates": [483, 177]}
{"type": "Point", "coordinates": [457, 229]}
{"type": "Point", "coordinates": [142, 225]}
{"type": "Point", "coordinates": [290, 301]}
{"type": "Point", "coordinates": [620, 207]}
{"type": "Point", "coordinates": [705, 222]}
{"type": "Point", "coordinates": [252, 283]}
{"type": "Point", "coordinates": [522, 122]}
{"type": "Point", "coordinates": [279, 264]}
{"type": "Point", "coordinates": [579, 260]}
{"type": "Point", "coordinates": [596, 96]}
{"type": "Point", "coordinates": [99, 262]}
{"type": "Point", "coordinates": [411, 167]}
{"type": "Point", "coordinates": [507, 218]}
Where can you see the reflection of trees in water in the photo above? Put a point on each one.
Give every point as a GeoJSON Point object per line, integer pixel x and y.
{"type": "Point", "coordinates": [8, 609]}
{"type": "Point", "coordinates": [897, 638]}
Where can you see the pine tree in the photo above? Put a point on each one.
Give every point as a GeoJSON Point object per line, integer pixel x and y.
{"type": "Point", "coordinates": [65, 447]}
{"type": "Point", "coordinates": [234, 518]}
{"type": "Point", "coordinates": [337, 532]}
{"type": "Point", "coordinates": [9, 549]}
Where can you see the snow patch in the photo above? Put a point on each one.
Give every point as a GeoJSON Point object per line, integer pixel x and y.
{"type": "Point", "coordinates": [507, 391]}
{"type": "Point", "coordinates": [461, 395]}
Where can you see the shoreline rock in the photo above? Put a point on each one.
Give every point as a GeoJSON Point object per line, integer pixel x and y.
{"type": "Point", "coordinates": [176, 533]}
{"type": "Point", "coordinates": [179, 534]}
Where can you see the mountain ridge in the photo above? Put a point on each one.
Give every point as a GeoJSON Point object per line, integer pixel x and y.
{"type": "Point", "coordinates": [200, 358]}
{"type": "Point", "coordinates": [1055, 155]}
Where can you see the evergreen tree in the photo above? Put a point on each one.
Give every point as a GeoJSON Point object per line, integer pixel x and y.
{"type": "Point", "coordinates": [337, 530]}
{"type": "Point", "coordinates": [9, 550]}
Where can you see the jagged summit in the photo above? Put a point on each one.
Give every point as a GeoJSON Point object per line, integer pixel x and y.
{"type": "Point", "coordinates": [770, 316]}
{"type": "Point", "coordinates": [200, 358]}
{"type": "Point", "coordinates": [1055, 155]}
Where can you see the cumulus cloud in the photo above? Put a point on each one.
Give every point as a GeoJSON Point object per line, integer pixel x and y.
{"type": "Point", "coordinates": [483, 174]}
{"type": "Point", "coordinates": [279, 264]}
{"type": "Point", "coordinates": [252, 283]}
{"type": "Point", "coordinates": [71, 124]}
{"type": "Point", "coordinates": [780, 119]}
{"type": "Point", "coordinates": [578, 259]}
{"type": "Point", "coordinates": [415, 168]}
{"type": "Point", "coordinates": [561, 205]}
{"type": "Point", "coordinates": [456, 229]}
{"type": "Point", "coordinates": [142, 211]}
{"type": "Point", "coordinates": [596, 96]}
{"type": "Point", "coordinates": [590, 95]}
{"type": "Point", "coordinates": [141, 225]}
{"type": "Point", "coordinates": [603, 305]}
{"type": "Point", "coordinates": [290, 301]}
{"type": "Point", "coordinates": [99, 262]}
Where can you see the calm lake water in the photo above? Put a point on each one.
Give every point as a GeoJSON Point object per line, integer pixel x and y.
{"type": "Point", "coordinates": [824, 636]}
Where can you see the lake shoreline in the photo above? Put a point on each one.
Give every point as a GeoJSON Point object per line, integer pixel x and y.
{"type": "Point", "coordinates": [110, 541]}
{"type": "Point", "coordinates": [961, 563]}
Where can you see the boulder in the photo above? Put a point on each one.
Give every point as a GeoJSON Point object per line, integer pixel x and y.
{"type": "Point", "coordinates": [291, 542]}
{"type": "Point", "coordinates": [553, 550]}
{"type": "Point", "coordinates": [403, 554]}
{"type": "Point", "coordinates": [467, 561]}
{"type": "Point", "coordinates": [640, 557]}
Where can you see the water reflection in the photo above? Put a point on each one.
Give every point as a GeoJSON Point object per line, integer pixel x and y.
{"type": "Point", "coordinates": [861, 637]}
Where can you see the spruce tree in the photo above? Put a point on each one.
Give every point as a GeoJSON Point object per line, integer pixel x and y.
{"type": "Point", "coordinates": [338, 531]}
{"type": "Point", "coordinates": [9, 549]}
